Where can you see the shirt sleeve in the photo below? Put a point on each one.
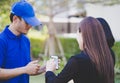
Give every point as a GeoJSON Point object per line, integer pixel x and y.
{"type": "Point", "coordinates": [65, 75]}
{"type": "Point", "coordinates": [2, 53]}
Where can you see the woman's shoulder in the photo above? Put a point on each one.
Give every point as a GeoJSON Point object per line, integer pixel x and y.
{"type": "Point", "coordinates": [81, 57]}
{"type": "Point", "coordinates": [81, 61]}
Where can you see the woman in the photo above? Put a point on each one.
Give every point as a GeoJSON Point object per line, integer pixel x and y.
{"type": "Point", "coordinates": [93, 65]}
{"type": "Point", "coordinates": [108, 34]}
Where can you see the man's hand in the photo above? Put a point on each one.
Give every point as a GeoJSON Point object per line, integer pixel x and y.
{"type": "Point", "coordinates": [32, 68]}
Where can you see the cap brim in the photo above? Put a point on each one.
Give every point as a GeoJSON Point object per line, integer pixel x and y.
{"type": "Point", "coordinates": [33, 21]}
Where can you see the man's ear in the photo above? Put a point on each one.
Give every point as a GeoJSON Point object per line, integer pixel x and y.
{"type": "Point", "coordinates": [15, 18]}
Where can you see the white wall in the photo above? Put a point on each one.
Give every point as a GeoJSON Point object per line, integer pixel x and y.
{"type": "Point", "coordinates": [110, 13]}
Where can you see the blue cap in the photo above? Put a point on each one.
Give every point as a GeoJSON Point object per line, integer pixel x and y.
{"type": "Point", "coordinates": [25, 11]}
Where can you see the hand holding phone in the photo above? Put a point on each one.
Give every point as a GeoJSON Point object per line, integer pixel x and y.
{"type": "Point", "coordinates": [56, 60]}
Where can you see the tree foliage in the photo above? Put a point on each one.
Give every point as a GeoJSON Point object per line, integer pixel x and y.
{"type": "Point", "coordinates": [5, 6]}
{"type": "Point", "coordinates": [104, 2]}
{"type": "Point", "coordinates": [43, 6]}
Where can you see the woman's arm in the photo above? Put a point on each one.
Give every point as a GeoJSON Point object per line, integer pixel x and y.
{"type": "Point", "coordinates": [64, 76]}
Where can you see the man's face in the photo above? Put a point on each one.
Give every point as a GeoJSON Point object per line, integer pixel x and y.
{"type": "Point", "coordinates": [79, 39]}
{"type": "Point", "coordinates": [21, 26]}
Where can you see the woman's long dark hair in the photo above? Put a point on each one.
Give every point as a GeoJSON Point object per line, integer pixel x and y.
{"type": "Point", "coordinates": [95, 45]}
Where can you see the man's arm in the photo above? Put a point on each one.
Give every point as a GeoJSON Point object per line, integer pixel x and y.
{"type": "Point", "coordinates": [32, 69]}
{"type": "Point", "coordinates": [10, 73]}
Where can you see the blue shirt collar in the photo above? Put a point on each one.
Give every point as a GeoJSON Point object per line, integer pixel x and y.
{"type": "Point", "coordinates": [10, 34]}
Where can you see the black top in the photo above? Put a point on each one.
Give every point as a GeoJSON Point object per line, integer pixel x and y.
{"type": "Point", "coordinates": [79, 68]}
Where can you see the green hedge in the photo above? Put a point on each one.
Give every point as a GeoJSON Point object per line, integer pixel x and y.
{"type": "Point", "coordinates": [116, 49]}
{"type": "Point", "coordinates": [37, 47]}
{"type": "Point", "coordinates": [70, 47]}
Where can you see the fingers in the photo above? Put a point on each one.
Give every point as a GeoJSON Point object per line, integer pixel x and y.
{"type": "Point", "coordinates": [50, 65]}
{"type": "Point", "coordinates": [34, 62]}
{"type": "Point", "coordinates": [42, 70]}
{"type": "Point", "coordinates": [59, 60]}
{"type": "Point", "coordinates": [32, 68]}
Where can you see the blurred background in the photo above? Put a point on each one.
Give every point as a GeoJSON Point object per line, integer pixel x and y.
{"type": "Point", "coordinates": [57, 34]}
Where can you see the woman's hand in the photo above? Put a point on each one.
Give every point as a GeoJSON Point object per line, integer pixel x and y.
{"type": "Point", "coordinates": [50, 65]}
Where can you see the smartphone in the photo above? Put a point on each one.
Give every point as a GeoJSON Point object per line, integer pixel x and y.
{"type": "Point", "coordinates": [56, 60]}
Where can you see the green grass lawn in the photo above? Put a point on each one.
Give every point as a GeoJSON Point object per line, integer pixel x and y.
{"type": "Point", "coordinates": [41, 79]}
{"type": "Point", "coordinates": [37, 79]}
{"type": "Point", "coordinates": [117, 79]}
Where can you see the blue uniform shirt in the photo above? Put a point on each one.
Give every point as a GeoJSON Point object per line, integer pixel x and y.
{"type": "Point", "coordinates": [14, 53]}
